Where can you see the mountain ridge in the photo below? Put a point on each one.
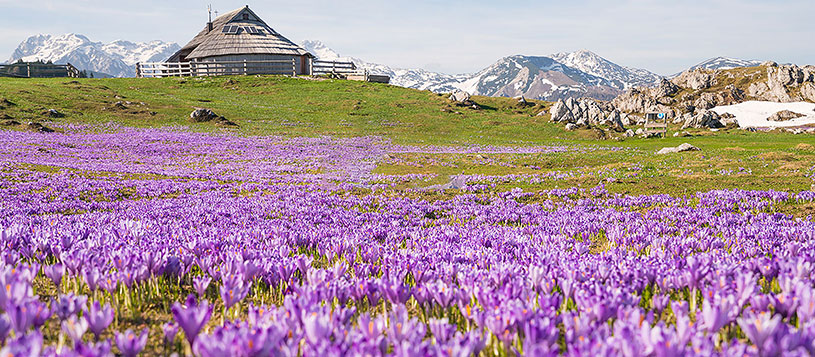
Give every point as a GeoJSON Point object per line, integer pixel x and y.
{"type": "Point", "coordinates": [117, 58]}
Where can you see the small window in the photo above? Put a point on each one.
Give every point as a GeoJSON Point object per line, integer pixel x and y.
{"type": "Point", "coordinates": [246, 16]}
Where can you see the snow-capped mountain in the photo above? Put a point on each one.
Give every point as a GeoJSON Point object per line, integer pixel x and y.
{"type": "Point", "coordinates": [576, 74]}
{"type": "Point", "coordinates": [538, 78]}
{"type": "Point", "coordinates": [621, 77]}
{"type": "Point", "coordinates": [117, 58]}
{"type": "Point", "coordinates": [726, 63]}
{"type": "Point", "coordinates": [410, 78]}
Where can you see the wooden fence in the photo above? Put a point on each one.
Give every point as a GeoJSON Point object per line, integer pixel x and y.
{"type": "Point", "coordinates": [38, 70]}
{"type": "Point", "coordinates": [333, 67]}
{"type": "Point", "coordinates": [220, 68]}
{"type": "Point", "coordinates": [338, 69]}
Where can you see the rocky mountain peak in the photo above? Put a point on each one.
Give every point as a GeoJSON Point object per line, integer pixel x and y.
{"type": "Point", "coordinates": [115, 59]}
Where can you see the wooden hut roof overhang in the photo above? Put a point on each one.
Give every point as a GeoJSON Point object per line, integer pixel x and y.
{"type": "Point", "coordinates": [238, 32]}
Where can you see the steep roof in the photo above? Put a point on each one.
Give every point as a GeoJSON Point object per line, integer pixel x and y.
{"type": "Point", "coordinates": [249, 35]}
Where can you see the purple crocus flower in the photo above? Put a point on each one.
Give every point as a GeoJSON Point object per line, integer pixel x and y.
{"type": "Point", "coordinates": [68, 305]}
{"type": "Point", "coordinates": [233, 290]}
{"type": "Point", "coordinates": [192, 317]}
{"type": "Point", "coordinates": [131, 345]}
{"type": "Point", "coordinates": [75, 328]}
{"type": "Point", "coordinates": [55, 273]}
{"type": "Point", "coordinates": [200, 283]}
{"type": "Point", "coordinates": [759, 328]}
{"type": "Point", "coordinates": [29, 344]}
{"type": "Point", "coordinates": [22, 315]}
{"type": "Point", "coordinates": [98, 317]}
{"type": "Point", "coordinates": [170, 330]}
{"type": "Point", "coordinates": [5, 328]}
{"type": "Point", "coordinates": [714, 317]}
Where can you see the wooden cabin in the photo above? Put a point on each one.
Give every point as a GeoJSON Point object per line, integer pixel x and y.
{"type": "Point", "coordinates": [237, 42]}
{"type": "Point", "coordinates": [241, 43]}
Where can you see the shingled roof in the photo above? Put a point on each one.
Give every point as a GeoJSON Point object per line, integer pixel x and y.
{"type": "Point", "coordinates": [238, 32]}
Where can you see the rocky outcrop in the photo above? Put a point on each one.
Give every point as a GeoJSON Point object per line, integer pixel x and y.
{"type": "Point", "coordinates": [697, 79]}
{"type": "Point", "coordinates": [785, 115]}
{"type": "Point", "coordinates": [706, 119]}
{"type": "Point", "coordinates": [586, 113]}
{"type": "Point", "coordinates": [782, 82]}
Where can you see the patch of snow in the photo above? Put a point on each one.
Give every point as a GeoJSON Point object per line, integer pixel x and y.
{"type": "Point", "coordinates": [754, 114]}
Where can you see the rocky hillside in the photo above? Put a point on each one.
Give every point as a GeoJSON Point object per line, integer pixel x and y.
{"type": "Point", "coordinates": [688, 98]}
{"type": "Point", "coordinates": [117, 59]}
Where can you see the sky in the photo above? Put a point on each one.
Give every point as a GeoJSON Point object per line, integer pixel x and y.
{"type": "Point", "coordinates": [453, 36]}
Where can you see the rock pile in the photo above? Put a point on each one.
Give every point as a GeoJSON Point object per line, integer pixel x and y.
{"type": "Point", "coordinates": [705, 119]}
{"type": "Point", "coordinates": [587, 113]}
{"type": "Point", "coordinates": [785, 115]}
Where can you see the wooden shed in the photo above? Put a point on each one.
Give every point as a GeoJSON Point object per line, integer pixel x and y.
{"type": "Point", "coordinates": [240, 42]}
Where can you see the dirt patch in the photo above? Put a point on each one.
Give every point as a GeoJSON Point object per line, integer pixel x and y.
{"type": "Point", "coordinates": [804, 147]}
{"type": "Point", "coordinates": [777, 156]}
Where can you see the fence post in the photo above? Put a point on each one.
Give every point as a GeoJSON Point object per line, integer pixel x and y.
{"type": "Point", "coordinates": [294, 66]}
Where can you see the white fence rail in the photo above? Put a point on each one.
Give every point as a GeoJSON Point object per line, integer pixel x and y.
{"type": "Point", "coordinates": [333, 67]}
{"type": "Point", "coordinates": [221, 68]}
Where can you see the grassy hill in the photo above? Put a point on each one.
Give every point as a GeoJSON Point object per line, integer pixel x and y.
{"type": "Point", "coordinates": [303, 107]}
{"type": "Point", "coordinates": [279, 106]}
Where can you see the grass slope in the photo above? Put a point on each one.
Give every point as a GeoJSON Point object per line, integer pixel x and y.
{"type": "Point", "coordinates": [301, 107]}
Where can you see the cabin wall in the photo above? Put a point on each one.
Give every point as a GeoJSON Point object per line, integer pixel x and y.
{"type": "Point", "coordinates": [302, 63]}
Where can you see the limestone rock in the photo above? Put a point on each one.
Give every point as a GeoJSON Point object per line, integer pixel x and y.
{"type": "Point", "coordinates": [571, 126]}
{"type": "Point", "coordinates": [460, 96]}
{"type": "Point", "coordinates": [705, 119]}
{"type": "Point", "coordinates": [681, 148]}
{"type": "Point", "coordinates": [808, 91]}
{"type": "Point", "coordinates": [200, 115]}
{"type": "Point", "coordinates": [696, 79]}
{"type": "Point", "coordinates": [53, 113]}
{"type": "Point", "coordinates": [666, 89]}
{"type": "Point", "coordinates": [784, 115]}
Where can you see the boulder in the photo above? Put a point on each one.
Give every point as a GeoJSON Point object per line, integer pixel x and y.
{"type": "Point", "coordinates": [53, 113]}
{"type": "Point", "coordinates": [460, 96]}
{"type": "Point", "coordinates": [705, 119]}
{"type": "Point", "coordinates": [785, 115]}
{"type": "Point", "coordinates": [571, 126]}
{"type": "Point", "coordinates": [560, 112]}
{"type": "Point", "coordinates": [630, 133]}
{"type": "Point", "coordinates": [521, 100]}
{"type": "Point", "coordinates": [200, 115]}
{"type": "Point", "coordinates": [9, 123]}
{"type": "Point", "coordinates": [681, 148]}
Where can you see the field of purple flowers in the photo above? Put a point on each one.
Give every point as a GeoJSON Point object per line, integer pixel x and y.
{"type": "Point", "coordinates": [164, 242]}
